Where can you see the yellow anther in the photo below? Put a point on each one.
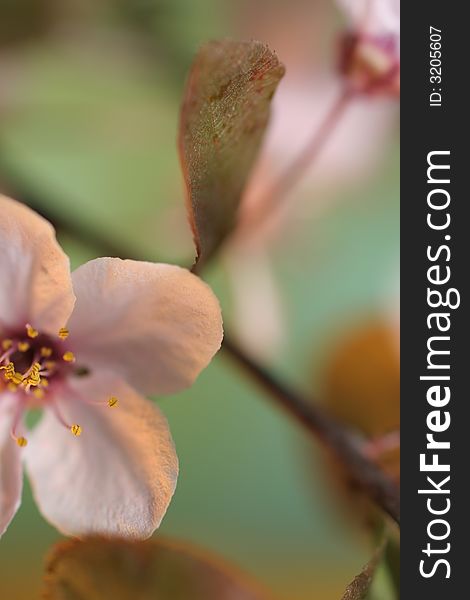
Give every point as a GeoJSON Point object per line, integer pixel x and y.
{"type": "Point", "coordinates": [11, 374]}
{"type": "Point", "coordinates": [76, 430]}
{"type": "Point", "coordinates": [46, 351]}
{"type": "Point", "coordinates": [23, 346]}
{"type": "Point", "coordinates": [11, 387]}
{"type": "Point", "coordinates": [32, 333]}
{"type": "Point", "coordinates": [32, 381]}
{"type": "Point", "coordinates": [10, 371]}
{"type": "Point", "coordinates": [50, 365]}
{"type": "Point", "coordinates": [69, 356]}
{"type": "Point", "coordinates": [21, 441]}
{"type": "Point", "coordinates": [7, 344]}
{"type": "Point", "coordinates": [44, 382]}
{"type": "Point", "coordinates": [34, 378]}
{"type": "Point", "coordinates": [16, 378]}
{"type": "Point", "coordinates": [63, 333]}
{"type": "Point", "coordinates": [112, 401]}
{"type": "Point", "coordinates": [39, 393]}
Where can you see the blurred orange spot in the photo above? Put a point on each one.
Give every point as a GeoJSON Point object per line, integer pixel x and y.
{"type": "Point", "coordinates": [361, 383]}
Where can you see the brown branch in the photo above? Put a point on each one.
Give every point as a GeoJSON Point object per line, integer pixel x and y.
{"type": "Point", "coordinates": [337, 438]}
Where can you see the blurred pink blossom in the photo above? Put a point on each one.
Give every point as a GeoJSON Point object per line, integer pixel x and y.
{"type": "Point", "coordinates": [84, 347]}
{"type": "Point", "coordinates": [370, 51]}
{"type": "Point", "coordinates": [348, 155]}
{"type": "Point", "coordinates": [352, 150]}
{"type": "Point", "coordinates": [376, 17]}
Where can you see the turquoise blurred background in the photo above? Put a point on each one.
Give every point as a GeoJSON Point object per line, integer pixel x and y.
{"type": "Point", "coordinates": [89, 102]}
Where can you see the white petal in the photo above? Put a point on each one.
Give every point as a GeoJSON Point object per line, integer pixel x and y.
{"type": "Point", "coordinates": [118, 477]}
{"type": "Point", "coordinates": [155, 325]}
{"type": "Point", "coordinates": [35, 282]}
{"type": "Point", "coordinates": [11, 473]}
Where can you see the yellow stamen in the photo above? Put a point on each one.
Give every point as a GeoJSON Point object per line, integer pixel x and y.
{"type": "Point", "coordinates": [63, 333]}
{"type": "Point", "coordinates": [32, 333]}
{"type": "Point", "coordinates": [11, 374]}
{"type": "Point", "coordinates": [12, 387]}
{"type": "Point", "coordinates": [112, 401]}
{"type": "Point", "coordinates": [69, 356]}
{"type": "Point", "coordinates": [23, 346]}
{"type": "Point", "coordinates": [21, 441]}
{"type": "Point", "coordinates": [32, 381]}
{"type": "Point", "coordinates": [7, 344]}
{"type": "Point", "coordinates": [46, 351]}
{"type": "Point", "coordinates": [34, 378]}
{"type": "Point", "coordinates": [44, 382]}
{"type": "Point", "coordinates": [50, 364]}
{"type": "Point", "coordinates": [39, 393]}
{"type": "Point", "coordinates": [76, 430]}
{"type": "Point", "coordinates": [16, 378]}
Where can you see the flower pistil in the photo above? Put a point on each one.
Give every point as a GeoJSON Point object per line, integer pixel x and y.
{"type": "Point", "coordinates": [29, 364]}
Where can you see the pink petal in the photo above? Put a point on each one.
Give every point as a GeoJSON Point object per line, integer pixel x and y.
{"type": "Point", "coordinates": [300, 105]}
{"type": "Point", "coordinates": [155, 325]}
{"type": "Point", "coordinates": [118, 477]}
{"type": "Point", "coordinates": [376, 17]}
{"type": "Point", "coordinates": [35, 277]}
{"type": "Point", "coordinates": [11, 472]}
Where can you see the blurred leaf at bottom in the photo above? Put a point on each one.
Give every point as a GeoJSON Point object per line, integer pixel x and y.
{"type": "Point", "coordinates": [360, 586]}
{"type": "Point", "coordinates": [99, 569]}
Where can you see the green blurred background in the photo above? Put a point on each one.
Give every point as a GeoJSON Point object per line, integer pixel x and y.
{"type": "Point", "coordinates": [89, 101]}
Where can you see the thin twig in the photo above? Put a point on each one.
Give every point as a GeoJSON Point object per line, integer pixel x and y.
{"type": "Point", "coordinates": [333, 434]}
{"type": "Point", "coordinates": [338, 439]}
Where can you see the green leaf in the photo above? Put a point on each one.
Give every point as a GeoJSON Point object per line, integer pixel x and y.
{"type": "Point", "coordinates": [224, 115]}
{"type": "Point", "coordinates": [360, 585]}
{"type": "Point", "coordinates": [98, 568]}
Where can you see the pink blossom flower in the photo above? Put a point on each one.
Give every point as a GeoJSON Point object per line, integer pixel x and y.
{"type": "Point", "coordinates": [348, 157]}
{"type": "Point", "coordinates": [84, 347]}
{"type": "Point", "coordinates": [370, 52]}
{"type": "Point", "coordinates": [379, 17]}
